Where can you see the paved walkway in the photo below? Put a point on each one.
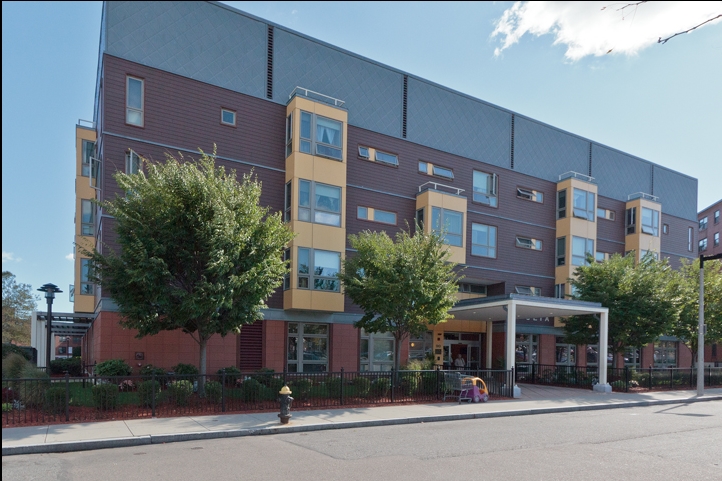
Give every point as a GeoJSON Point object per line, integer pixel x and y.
{"type": "Point", "coordinates": [534, 400]}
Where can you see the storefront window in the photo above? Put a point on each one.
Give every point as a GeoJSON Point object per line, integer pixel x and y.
{"type": "Point", "coordinates": [566, 354]}
{"type": "Point", "coordinates": [307, 347]}
{"type": "Point", "coordinates": [377, 351]}
{"type": "Point", "coordinates": [526, 348]}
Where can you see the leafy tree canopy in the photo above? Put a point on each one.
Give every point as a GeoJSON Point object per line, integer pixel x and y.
{"type": "Point", "coordinates": [684, 289]}
{"type": "Point", "coordinates": [19, 301]}
{"type": "Point", "coordinates": [402, 286]}
{"type": "Point", "coordinates": [197, 251]}
{"type": "Point", "coordinates": [640, 308]}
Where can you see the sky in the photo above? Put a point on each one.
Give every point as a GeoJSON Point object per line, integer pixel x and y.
{"type": "Point", "coordinates": [591, 68]}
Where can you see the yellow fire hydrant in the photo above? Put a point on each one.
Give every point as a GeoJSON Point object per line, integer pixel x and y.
{"type": "Point", "coordinates": [285, 399]}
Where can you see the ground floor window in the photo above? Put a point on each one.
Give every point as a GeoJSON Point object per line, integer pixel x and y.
{"type": "Point", "coordinates": [665, 354]}
{"type": "Point", "coordinates": [566, 354]}
{"type": "Point", "coordinates": [377, 351]}
{"type": "Point", "coordinates": [421, 346]}
{"type": "Point", "coordinates": [527, 347]}
{"type": "Point", "coordinates": [307, 347]}
{"type": "Point", "coordinates": [462, 350]}
{"type": "Point", "coordinates": [593, 355]}
{"type": "Point", "coordinates": [633, 357]}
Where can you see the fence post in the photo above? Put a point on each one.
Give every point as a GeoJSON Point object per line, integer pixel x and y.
{"type": "Point", "coordinates": [223, 390]}
{"type": "Point", "coordinates": [510, 386]}
{"type": "Point", "coordinates": [67, 396]}
{"type": "Point", "coordinates": [438, 384]}
{"type": "Point", "coordinates": [152, 397]}
{"type": "Point", "coordinates": [393, 383]}
{"type": "Point", "coordinates": [626, 378]}
{"type": "Point", "coordinates": [690, 377]}
{"type": "Point", "coordinates": [671, 377]}
{"type": "Point", "coordinates": [341, 386]}
{"type": "Point", "coordinates": [709, 376]}
{"type": "Point", "coordinates": [649, 383]}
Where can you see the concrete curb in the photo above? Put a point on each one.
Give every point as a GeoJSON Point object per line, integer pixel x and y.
{"type": "Point", "coordinates": [195, 436]}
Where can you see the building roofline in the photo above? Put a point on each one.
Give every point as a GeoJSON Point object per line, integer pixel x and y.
{"type": "Point", "coordinates": [709, 207]}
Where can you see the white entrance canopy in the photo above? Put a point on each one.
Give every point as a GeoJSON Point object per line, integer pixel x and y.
{"type": "Point", "coordinates": [74, 324]}
{"type": "Point", "coordinates": [512, 307]}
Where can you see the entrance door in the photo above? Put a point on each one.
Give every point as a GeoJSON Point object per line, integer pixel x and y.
{"type": "Point", "coordinates": [456, 351]}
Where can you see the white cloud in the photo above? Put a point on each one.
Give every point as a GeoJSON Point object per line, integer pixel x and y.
{"type": "Point", "coordinates": [10, 257]}
{"type": "Point", "coordinates": [70, 257]}
{"type": "Point", "coordinates": [598, 28]}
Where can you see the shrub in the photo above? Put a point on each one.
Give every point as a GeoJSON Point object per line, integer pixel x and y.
{"type": "Point", "coordinates": [13, 365]}
{"type": "Point", "coordinates": [264, 376]}
{"type": "Point", "coordinates": [145, 392]}
{"type": "Point", "coordinates": [13, 349]}
{"type": "Point", "coordinates": [185, 369]}
{"type": "Point", "coordinates": [76, 351]}
{"type": "Point", "coordinates": [55, 400]}
{"type": "Point", "coordinates": [380, 386]}
{"type": "Point", "coordinates": [301, 388]}
{"type": "Point", "coordinates": [232, 374]}
{"type": "Point", "coordinates": [429, 381]}
{"type": "Point", "coordinates": [179, 392]}
{"type": "Point", "coordinates": [73, 365]}
{"type": "Point", "coordinates": [410, 383]}
{"type": "Point", "coordinates": [251, 390]}
{"type": "Point", "coordinates": [333, 384]}
{"type": "Point", "coordinates": [113, 367]}
{"type": "Point", "coordinates": [32, 389]}
{"type": "Point", "coordinates": [214, 391]}
{"type": "Point", "coordinates": [363, 386]}
{"type": "Point", "coordinates": [105, 396]}
{"type": "Point", "coordinates": [10, 395]}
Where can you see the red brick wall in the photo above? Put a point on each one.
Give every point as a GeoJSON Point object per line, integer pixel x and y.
{"type": "Point", "coordinates": [547, 349]}
{"type": "Point", "coordinates": [684, 355]}
{"type": "Point", "coordinates": [165, 349]}
{"type": "Point", "coordinates": [274, 345]}
{"type": "Point", "coordinates": [344, 348]}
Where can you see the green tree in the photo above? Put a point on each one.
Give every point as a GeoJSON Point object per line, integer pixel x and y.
{"type": "Point", "coordinates": [684, 289]}
{"type": "Point", "coordinates": [197, 250]}
{"type": "Point", "coordinates": [402, 286]}
{"type": "Point", "coordinates": [18, 305]}
{"type": "Point", "coordinates": [640, 308]}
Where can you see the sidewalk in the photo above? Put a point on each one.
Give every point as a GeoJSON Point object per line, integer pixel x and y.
{"type": "Point", "coordinates": [535, 400]}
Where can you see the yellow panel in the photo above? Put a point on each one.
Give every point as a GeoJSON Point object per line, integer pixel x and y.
{"type": "Point", "coordinates": [461, 325]}
{"type": "Point", "coordinates": [328, 238]}
{"type": "Point", "coordinates": [299, 165]}
{"type": "Point", "coordinates": [327, 301]}
{"type": "Point", "coordinates": [329, 171]}
{"type": "Point", "coordinates": [297, 299]}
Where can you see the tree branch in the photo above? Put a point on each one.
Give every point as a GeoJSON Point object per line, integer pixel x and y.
{"type": "Point", "coordinates": [661, 40]}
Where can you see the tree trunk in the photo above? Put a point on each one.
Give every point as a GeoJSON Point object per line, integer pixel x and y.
{"type": "Point", "coordinates": [203, 343]}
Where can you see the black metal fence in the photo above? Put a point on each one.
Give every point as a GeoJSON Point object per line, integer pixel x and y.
{"type": "Point", "coordinates": [624, 379]}
{"type": "Point", "coordinates": [79, 399]}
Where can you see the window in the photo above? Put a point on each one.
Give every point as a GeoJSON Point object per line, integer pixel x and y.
{"type": "Point", "coordinates": [88, 151]}
{"type": "Point", "coordinates": [287, 202]}
{"type": "Point", "coordinates": [559, 291]}
{"type": "Point", "coordinates": [472, 289]}
{"type": "Point", "coordinates": [132, 163]}
{"type": "Point", "coordinates": [632, 357]}
{"type": "Point", "coordinates": [289, 135]}
{"type": "Point", "coordinates": [61, 350]}
{"type": "Point", "coordinates": [526, 348]}
{"type": "Point", "coordinates": [593, 355]}
{"type": "Point", "coordinates": [87, 218]}
{"type": "Point", "coordinates": [584, 204]}
{"type": "Point", "coordinates": [363, 152]}
{"type": "Point", "coordinates": [601, 256]}
{"type": "Point", "coordinates": [376, 351]}
{"type": "Point", "coordinates": [566, 354]}
{"type": "Point", "coordinates": [319, 202]}
{"type": "Point", "coordinates": [451, 221]}
{"type": "Point", "coordinates": [228, 117]}
{"type": "Point", "coordinates": [716, 239]}
{"type": "Point", "coordinates": [485, 188]}
{"type": "Point", "coordinates": [432, 169]}
{"type": "Point", "coordinates": [690, 239]}
{"type": "Point", "coordinates": [134, 101]}
{"type": "Point", "coordinates": [374, 155]}
{"type": "Point", "coordinates": [561, 251]}
{"type": "Point", "coordinates": [605, 214]}
{"type": "Point", "coordinates": [631, 221]}
{"type": "Point", "coordinates": [580, 248]}
{"type": "Point", "coordinates": [483, 240]}
{"type": "Point", "coordinates": [528, 194]}
{"type": "Point", "coordinates": [287, 275]}
{"type": "Point", "coordinates": [650, 222]}
{"type": "Point", "coordinates": [527, 243]}
{"type": "Point", "coordinates": [307, 349]}
{"type": "Point", "coordinates": [71, 293]}
{"type": "Point", "coordinates": [528, 291]}
{"type": "Point", "coordinates": [420, 217]}
{"type": "Point", "coordinates": [421, 346]}
{"type": "Point", "coordinates": [665, 228]}
{"type": "Point", "coordinates": [703, 245]}
{"type": "Point", "coordinates": [562, 204]}
{"type": "Point", "coordinates": [643, 253]}
{"type": "Point", "coordinates": [388, 158]}
{"type": "Point", "coordinates": [317, 269]}
{"type": "Point", "coordinates": [87, 288]}
{"type": "Point", "coordinates": [376, 215]}
{"type": "Point", "coordinates": [95, 173]}
{"type": "Point", "coordinates": [716, 217]}
{"type": "Point", "coordinates": [703, 223]}
{"type": "Point", "coordinates": [326, 141]}
{"type": "Point", "coordinates": [665, 354]}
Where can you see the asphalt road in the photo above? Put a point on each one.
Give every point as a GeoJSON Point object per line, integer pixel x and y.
{"type": "Point", "coordinates": [672, 442]}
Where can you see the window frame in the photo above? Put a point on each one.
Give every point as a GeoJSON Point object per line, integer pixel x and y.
{"type": "Point", "coordinates": [132, 159]}
{"type": "Point", "coordinates": [703, 223]}
{"type": "Point", "coordinates": [534, 244]}
{"type": "Point", "coordinates": [300, 335]}
{"type": "Point", "coordinates": [630, 221]}
{"type": "Point", "coordinates": [489, 247]}
{"type": "Point", "coordinates": [560, 291]}
{"type": "Point", "coordinates": [128, 109]}
{"type": "Point", "coordinates": [690, 239]}
{"type": "Point", "coordinates": [533, 291]}
{"type": "Point", "coordinates": [561, 258]}
{"type": "Point", "coordinates": [605, 214]}
{"type": "Point", "coordinates": [492, 197]}
{"type": "Point", "coordinates": [589, 249]}
{"type": "Point", "coordinates": [312, 140]}
{"type": "Point", "coordinates": [229, 111]}
{"type": "Point", "coordinates": [367, 217]}
{"type": "Point", "coordinates": [562, 204]}
{"type": "Point", "coordinates": [662, 350]}
{"type": "Point", "coordinates": [586, 212]}
{"type": "Point", "coordinates": [91, 223]}
{"type": "Point", "coordinates": [367, 155]}
{"type": "Point", "coordinates": [311, 275]}
{"type": "Point", "coordinates": [442, 222]}
{"type": "Point", "coordinates": [87, 288]}
{"type": "Point", "coordinates": [653, 228]}
{"type": "Point", "coordinates": [86, 156]}
{"type": "Point", "coordinates": [715, 216]}
{"type": "Point", "coordinates": [385, 162]}
{"type": "Point", "coordinates": [571, 350]}
{"type": "Point", "coordinates": [313, 208]}
{"type": "Point", "coordinates": [367, 365]}
{"type": "Point", "coordinates": [531, 195]}
{"type": "Point", "coordinates": [288, 201]}
{"type": "Point", "coordinates": [289, 134]}
{"type": "Point", "coordinates": [702, 245]}
{"type": "Point", "coordinates": [715, 239]}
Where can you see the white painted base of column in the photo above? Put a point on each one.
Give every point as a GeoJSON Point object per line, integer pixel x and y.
{"type": "Point", "coordinates": [517, 392]}
{"type": "Point", "coordinates": [602, 388]}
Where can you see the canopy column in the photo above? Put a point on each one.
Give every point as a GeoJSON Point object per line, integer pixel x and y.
{"type": "Point", "coordinates": [602, 385]}
{"type": "Point", "coordinates": [489, 334]}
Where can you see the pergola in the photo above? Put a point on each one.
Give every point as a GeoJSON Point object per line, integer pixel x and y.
{"type": "Point", "coordinates": [63, 324]}
{"type": "Point", "coordinates": [511, 307]}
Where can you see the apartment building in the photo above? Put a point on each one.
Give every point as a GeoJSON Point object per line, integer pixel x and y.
{"type": "Point", "coordinates": [709, 245]}
{"type": "Point", "coordinates": [343, 144]}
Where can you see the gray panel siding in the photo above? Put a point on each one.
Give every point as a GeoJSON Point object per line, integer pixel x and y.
{"type": "Point", "coordinates": [677, 193]}
{"type": "Point", "coordinates": [446, 121]}
{"type": "Point", "coordinates": [619, 174]}
{"type": "Point", "coordinates": [194, 39]}
{"type": "Point", "coordinates": [373, 94]}
{"type": "Point", "coordinates": [545, 152]}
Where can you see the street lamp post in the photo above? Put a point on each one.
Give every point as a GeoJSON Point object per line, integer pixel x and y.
{"type": "Point", "coordinates": [701, 327]}
{"type": "Point", "coordinates": [49, 290]}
